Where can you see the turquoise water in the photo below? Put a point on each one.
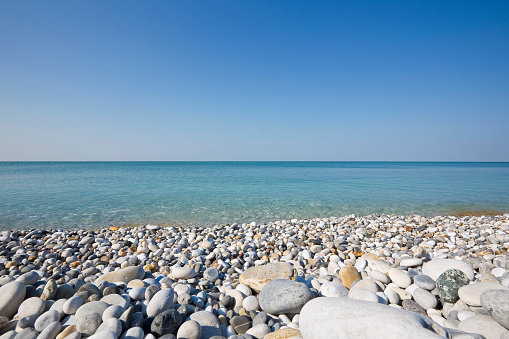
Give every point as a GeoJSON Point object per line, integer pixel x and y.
{"type": "Point", "coordinates": [93, 194]}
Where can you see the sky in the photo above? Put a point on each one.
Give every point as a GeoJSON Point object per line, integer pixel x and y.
{"type": "Point", "coordinates": [254, 80]}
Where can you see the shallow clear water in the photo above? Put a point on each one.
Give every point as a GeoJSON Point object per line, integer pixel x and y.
{"type": "Point", "coordinates": [93, 194]}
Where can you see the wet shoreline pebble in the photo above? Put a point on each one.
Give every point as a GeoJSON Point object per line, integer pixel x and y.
{"type": "Point", "coordinates": [351, 277]}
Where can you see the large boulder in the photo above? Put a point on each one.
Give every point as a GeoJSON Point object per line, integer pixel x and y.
{"type": "Point", "coordinates": [347, 318]}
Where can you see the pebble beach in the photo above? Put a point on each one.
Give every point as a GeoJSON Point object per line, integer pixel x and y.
{"type": "Point", "coordinates": [374, 276]}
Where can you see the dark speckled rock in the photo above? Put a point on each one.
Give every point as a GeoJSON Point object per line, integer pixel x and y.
{"type": "Point", "coordinates": [448, 284]}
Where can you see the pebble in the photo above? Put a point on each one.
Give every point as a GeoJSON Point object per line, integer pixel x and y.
{"type": "Point", "coordinates": [208, 323]}
{"type": "Point", "coordinates": [258, 276]}
{"type": "Point", "coordinates": [424, 282]}
{"type": "Point", "coordinates": [496, 302]}
{"type": "Point", "coordinates": [190, 330]}
{"type": "Point", "coordinates": [449, 283]}
{"type": "Point", "coordinates": [284, 296]}
{"type": "Point", "coordinates": [13, 294]}
{"type": "Point", "coordinates": [160, 302]}
{"type": "Point", "coordinates": [400, 278]}
{"type": "Point", "coordinates": [482, 324]}
{"type": "Point", "coordinates": [471, 294]}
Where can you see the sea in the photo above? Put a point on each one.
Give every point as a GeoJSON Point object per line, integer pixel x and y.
{"type": "Point", "coordinates": [61, 195]}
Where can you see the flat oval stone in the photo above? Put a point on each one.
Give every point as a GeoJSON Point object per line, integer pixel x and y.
{"type": "Point", "coordinates": [424, 298]}
{"type": "Point", "coordinates": [400, 278]}
{"type": "Point", "coordinates": [258, 276]}
{"type": "Point", "coordinates": [190, 329]}
{"type": "Point", "coordinates": [45, 319]}
{"type": "Point", "coordinates": [103, 335]}
{"type": "Point", "coordinates": [334, 290]}
{"type": "Point", "coordinates": [208, 322]}
{"type": "Point", "coordinates": [124, 275]}
{"type": "Point", "coordinates": [424, 282]}
{"type": "Point", "coordinates": [13, 294]}
{"type": "Point", "coordinates": [448, 284]}
{"type": "Point", "coordinates": [411, 262]}
{"type": "Point", "coordinates": [31, 306]}
{"type": "Point", "coordinates": [183, 273]}
{"type": "Point", "coordinates": [92, 307]}
{"type": "Point", "coordinates": [284, 296]}
{"type": "Point", "coordinates": [111, 324]}
{"type": "Point", "coordinates": [29, 278]}
{"type": "Point", "coordinates": [497, 303]}
{"type": "Point", "coordinates": [115, 299]}
{"type": "Point", "coordinates": [161, 301]}
{"type": "Point", "coordinates": [51, 331]}
{"type": "Point", "coordinates": [471, 294]}
{"type": "Point", "coordinates": [348, 318]}
{"type": "Point", "coordinates": [482, 324]}
{"type": "Point", "coordinates": [436, 267]}
{"type": "Point", "coordinates": [72, 304]}
{"type": "Point", "coordinates": [88, 323]}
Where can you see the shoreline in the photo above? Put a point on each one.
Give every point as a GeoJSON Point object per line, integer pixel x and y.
{"type": "Point", "coordinates": [460, 214]}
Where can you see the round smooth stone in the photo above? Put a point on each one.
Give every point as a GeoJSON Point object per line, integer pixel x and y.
{"type": "Point", "coordinates": [471, 294]}
{"type": "Point", "coordinates": [190, 329]}
{"type": "Point", "coordinates": [45, 319]}
{"type": "Point", "coordinates": [259, 331]}
{"type": "Point", "coordinates": [115, 299]}
{"type": "Point", "coordinates": [124, 275]}
{"type": "Point", "coordinates": [424, 282]}
{"type": "Point", "coordinates": [133, 333]}
{"type": "Point", "coordinates": [13, 294]}
{"type": "Point", "coordinates": [284, 296]}
{"type": "Point", "coordinates": [449, 283]}
{"type": "Point", "coordinates": [399, 277]}
{"type": "Point", "coordinates": [424, 298]}
{"type": "Point", "coordinates": [244, 289]}
{"type": "Point", "coordinates": [411, 262]}
{"type": "Point", "coordinates": [241, 323]}
{"type": "Point", "coordinates": [161, 301]}
{"type": "Point", "coordinates": [72, 304]}
{"type": "Point", "coordinates": [88, 323]}
{"type": "Point", "coordinates": [111, 324]}
{"type": "Point", "coordinates": [250, 303]}
{"type": "Point", "coordinates": [379, 276]}
{"type": "Point", "coordinates": [208, 322]}
{"type": "Point", "coordinates": [31, 306]}
{"type": "Point", "coordinates": [29, 278]}
{"type": "Point", "coordinates": [51, 331]}
{"type": "Point", "coordinates": [137, 293]}
{"type": "Point", "coordinates": [114, 311]}
{"type": "Point", "coordinates": [497, 303]}
{"type": "Point", "coordinates": [482, 324]}
{"type": "Point", "coordinates": [92, 307]}
{"type": "Point", "coordinates": [182, 288]}
{"type": "Point", "coordinates": [334, 290]}
{"type": "Point", "coordinates": [348, 274]}
{"type": "Point", "coordinates": [103, 335]}
{"type": "Point", "coordinates": [211, 274]}
{"type": "Point", "coordinates": [183, 273]}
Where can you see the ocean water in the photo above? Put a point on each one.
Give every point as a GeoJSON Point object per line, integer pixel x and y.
{"type": "Point", "coordinates": [97, 194]}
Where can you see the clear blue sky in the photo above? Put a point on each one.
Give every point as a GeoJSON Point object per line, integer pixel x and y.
{"type": "Point", "coordinates": [254, 80]}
